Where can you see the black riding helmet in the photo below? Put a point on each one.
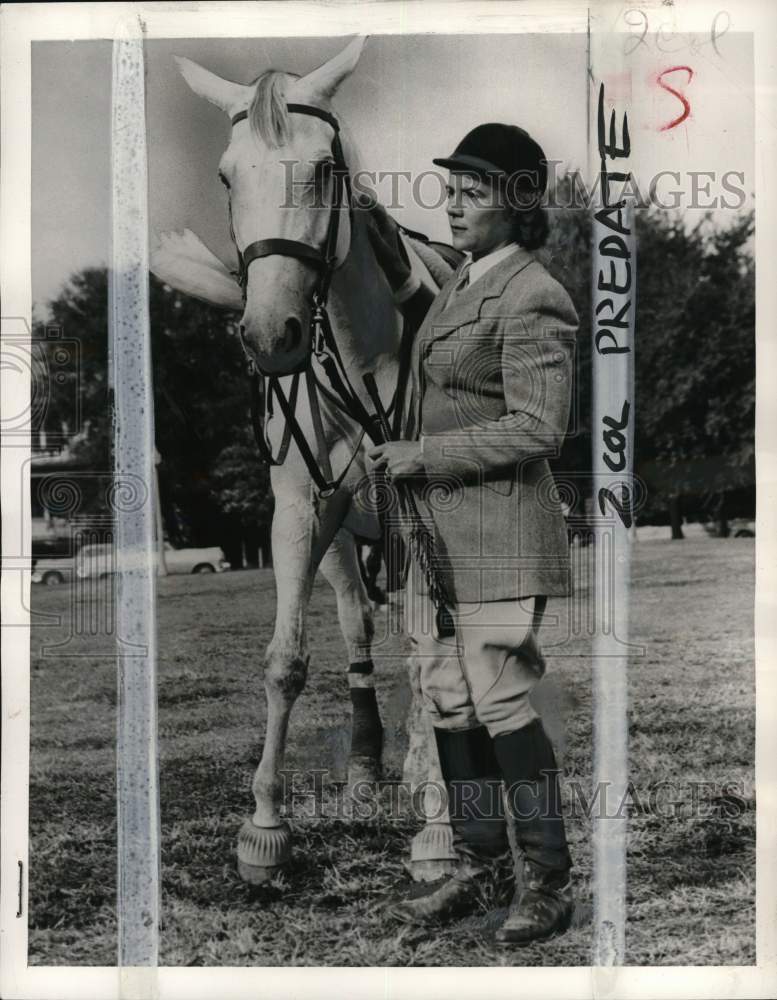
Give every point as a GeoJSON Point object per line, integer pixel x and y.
{"type": "Point", "coordinates": [497, 152]}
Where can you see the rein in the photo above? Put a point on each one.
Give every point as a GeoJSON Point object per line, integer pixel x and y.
{"type": "Point", "coordinates": [323, 345]}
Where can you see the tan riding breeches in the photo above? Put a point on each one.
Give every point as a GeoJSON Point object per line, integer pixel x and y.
{"type": "Point", "coordinates": [483, 675]}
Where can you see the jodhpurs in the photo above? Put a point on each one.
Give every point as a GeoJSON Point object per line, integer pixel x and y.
{"type": "Point", "coordinates": [483, 675]}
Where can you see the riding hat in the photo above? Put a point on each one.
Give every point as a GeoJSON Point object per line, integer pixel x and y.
{"type": "Point", "coordinates": [495, 150]}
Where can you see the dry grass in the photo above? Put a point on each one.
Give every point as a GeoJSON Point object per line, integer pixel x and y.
{"type": "Point", "coordinates": [691, 877]}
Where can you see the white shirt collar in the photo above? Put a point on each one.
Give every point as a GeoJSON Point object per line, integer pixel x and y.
{"type": "Point", "coordinates": [477, 268]}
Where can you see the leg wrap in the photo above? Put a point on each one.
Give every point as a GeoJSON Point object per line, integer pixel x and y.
{"type": "Point", "coordinates": [529, 768]}
{"type": "Point", "coordinates": [361, 667]}
{"type": "Point", "coordinates": [366, 731]}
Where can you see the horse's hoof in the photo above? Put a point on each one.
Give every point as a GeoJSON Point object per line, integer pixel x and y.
{"type": "Point", "coordinates": [432, 854]}
{"type": "Point", "coordinates": [363, 771]}
{"type": "Point", "coordinates": [262, 851]}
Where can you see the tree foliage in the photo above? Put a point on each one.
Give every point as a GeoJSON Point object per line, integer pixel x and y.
{"type": "Point", "coordinates": [209, 469]}
{"type": "Point", "coordinates": [568, 257]}
{"type": "Point", "coordinates": [695, 348]}
{"type": "Point", "coordinates": [695, 367]}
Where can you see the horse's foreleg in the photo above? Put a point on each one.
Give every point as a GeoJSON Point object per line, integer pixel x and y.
{"type": "Point", "coordinates": [285, 673]}
{"type": "Point", "coordinates": [340, 566]}
{"type": "Point", "coordinates": [264, 843]}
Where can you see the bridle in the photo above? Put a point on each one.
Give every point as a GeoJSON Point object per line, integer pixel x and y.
{"type": "Point", "coordinates": [324, 260]}
{"type": "Point", "coordinates": [322, 342]}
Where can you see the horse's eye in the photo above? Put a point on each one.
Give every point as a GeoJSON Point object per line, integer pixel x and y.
{"type": "Point", "coordinates": [223, 180]}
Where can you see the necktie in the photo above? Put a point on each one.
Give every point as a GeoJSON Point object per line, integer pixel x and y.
{"type": "Point", "coordinates": [463, 280]}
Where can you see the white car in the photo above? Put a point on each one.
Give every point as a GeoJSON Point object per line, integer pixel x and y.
{"type": "Point", "coordinates": [195, 560]}
{"type": "Point", "coordinates": [102, 560]}
{"type": "Point", "coordinates": [52, 571]}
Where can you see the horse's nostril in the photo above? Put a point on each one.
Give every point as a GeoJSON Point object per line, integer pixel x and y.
{"type": "Point", "coordinates": [293, 333]}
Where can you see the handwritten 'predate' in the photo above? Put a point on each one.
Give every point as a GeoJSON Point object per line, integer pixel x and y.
{"type": "Point", "coordinates": [614, 308]}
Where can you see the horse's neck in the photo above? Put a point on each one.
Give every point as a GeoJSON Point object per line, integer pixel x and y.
{"type": "Point", "coordinates": [364, 319]}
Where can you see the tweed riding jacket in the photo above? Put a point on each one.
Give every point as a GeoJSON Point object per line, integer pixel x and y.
{"type": "Point", "coordinates": [492, 371]}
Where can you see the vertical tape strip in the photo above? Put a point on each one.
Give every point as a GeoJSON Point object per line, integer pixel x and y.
{"type": "Point", "coordinates": [137, 767]}
{"type": "Point", "coordinates": [613, 300]}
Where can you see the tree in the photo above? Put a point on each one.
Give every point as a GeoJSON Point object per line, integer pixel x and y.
{"type": "Point", "coordinates": [201, 404]}
{"type": "Point", "coordinates": [241, 481]}
{"type": "Point", "coordinates": [77, 408]}
{"type": "Point", "coordinates": [695, 364]}
{"type": "Point", "coordinates": [80, 314]}
{"type": "Point", "coordinates": [568, 257]}
{"type": "Point", "coordinates": [695, 352]}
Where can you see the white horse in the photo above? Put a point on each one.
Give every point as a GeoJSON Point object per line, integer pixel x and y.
{"type": "Point", "coordinates": [279, 281]}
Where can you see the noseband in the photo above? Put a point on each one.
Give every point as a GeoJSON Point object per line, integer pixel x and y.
{"type": "Point", "coordinates": [323, 345]}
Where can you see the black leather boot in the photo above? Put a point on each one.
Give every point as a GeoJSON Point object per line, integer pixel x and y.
{"type": "Point", "coordinates": [543, 903]}
{"type": "Point", "coordinates": [541, 908]}
{"type": "Point", "coordinates": [474, 788]}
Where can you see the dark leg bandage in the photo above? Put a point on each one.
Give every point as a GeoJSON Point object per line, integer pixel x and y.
{"type": "Point", "coordinates": [366, 731]}
{"type": "Point", "coordinates": [361, 667]}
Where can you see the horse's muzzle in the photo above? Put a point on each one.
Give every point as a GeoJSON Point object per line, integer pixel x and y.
{"type": "Point", "coordinates": [289, 352]}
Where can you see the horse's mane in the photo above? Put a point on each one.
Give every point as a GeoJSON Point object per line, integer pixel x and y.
{"type": "Point", "coordinates": [267, 114]}
{"type": "Point", "coordinates": [269, 119]}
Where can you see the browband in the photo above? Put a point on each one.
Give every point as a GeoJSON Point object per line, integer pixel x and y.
{"type": "Point", "coordinates": [300, 109]}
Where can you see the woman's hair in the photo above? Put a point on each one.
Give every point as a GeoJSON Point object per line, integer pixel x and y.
{"type": "Point", "coordinates": [532, 228]}
{"type": "Point", "coordinates": [530, 220]}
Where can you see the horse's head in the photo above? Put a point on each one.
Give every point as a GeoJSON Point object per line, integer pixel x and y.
{"type": "Point", "coordinates": [278, 169]}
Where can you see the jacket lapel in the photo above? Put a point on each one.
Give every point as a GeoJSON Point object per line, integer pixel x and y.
{"type": "Point", "coordinates": [464, 307]}
{"type": "Point", "coordinates": [449, 313]}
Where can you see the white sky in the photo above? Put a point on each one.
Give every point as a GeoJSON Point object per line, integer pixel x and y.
{"type": "Point", "coordinates": [410, 99]}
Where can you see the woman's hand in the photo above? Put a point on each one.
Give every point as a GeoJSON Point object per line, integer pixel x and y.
{"type": "Point", "coordinates": [397, 458]}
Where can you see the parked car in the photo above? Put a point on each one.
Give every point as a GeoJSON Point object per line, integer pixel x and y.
{"type": "Point", "coordinates": [209, 560]}
{"type": "Point", "coordinates": [738, 527]}
{"type": "Point", "coordinates": [102, 560]}
{"type": "Point", "coordinates": [53, 571]}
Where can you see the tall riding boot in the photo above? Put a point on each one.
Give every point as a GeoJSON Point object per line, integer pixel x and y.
{"type": "Point", "coordinates": [474, 788]}
{"type": "Point", "coordinates": [543, 903]}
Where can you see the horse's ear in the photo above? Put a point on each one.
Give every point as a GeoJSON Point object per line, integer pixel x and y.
{"type": "Point", "coordinates": [321, 83]}
{"type": "Point", "coordinates": [228, 96]}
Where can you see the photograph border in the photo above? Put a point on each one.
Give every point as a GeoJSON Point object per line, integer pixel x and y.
{"type": "Point", "coordinates": [24, 23]}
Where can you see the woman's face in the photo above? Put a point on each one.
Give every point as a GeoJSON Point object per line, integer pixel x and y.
{"type": "Point", "coordinates": [479, 219]}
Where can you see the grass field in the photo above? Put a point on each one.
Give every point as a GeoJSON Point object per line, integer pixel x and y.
{"type": "Point", "coordinates": [691, 889]}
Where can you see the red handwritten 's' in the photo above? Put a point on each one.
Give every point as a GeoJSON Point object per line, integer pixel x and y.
{"type": "Point", "coordinates": [680, 97]}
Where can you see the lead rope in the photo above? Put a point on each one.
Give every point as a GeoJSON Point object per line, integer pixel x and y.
{"type": "Point", "coordinates": [420, 537]}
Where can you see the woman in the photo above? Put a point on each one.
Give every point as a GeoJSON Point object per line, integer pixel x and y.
{"type": "Point", "coordinates": [491, 387]}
